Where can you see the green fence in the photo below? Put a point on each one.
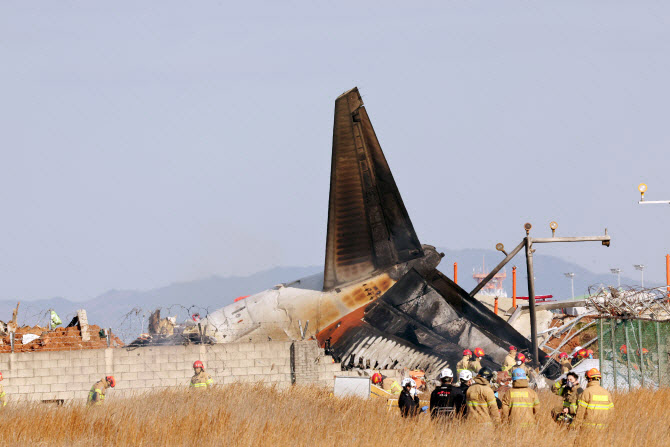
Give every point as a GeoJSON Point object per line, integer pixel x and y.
{"type": "Point", "coordinates": [633, 353]}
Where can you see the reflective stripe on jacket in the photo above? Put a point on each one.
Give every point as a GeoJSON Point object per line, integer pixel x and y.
{"type": "Point", "coordinates": [463, 365]}
{"type": "Point", "coordinates": [481, 402]}
{"type": "Point", "coordinates": [201, 380]}
{"type": "Point", "coordinates": [97, 394]}
{"type": "Point", "coordinates": [509, 363]}
{"type": "Point", "coordinates": [520, 404]}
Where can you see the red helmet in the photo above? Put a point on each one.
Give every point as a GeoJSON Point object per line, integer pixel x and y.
{"type": "Point", "coordinates": [111, 381]}
{"type": "Point", "coordinates": [582, 353]}
{"type": "Point", "coordinates": [467, 352]}
{"type": "Point", "coordinates": [644, 351]}
{"type": "Point", "coordinates": [198, 364]}
{"type": "Point", "coordinates": [623, 349]}
{"type": "Point", "coordinates": [377, 378]}
{"type": "Point", "coordinates": [512, 348]}
{"type": "Point", "coordinates": [521, 357]}
{"type": "Point", "coordinates": [479, 352]}
{"type": "Point", "coordinates": [0, 376]}
{"type": "Point", "coordinates": [593, 373]}
{"type": "Point", "coordinates": [562, 355]}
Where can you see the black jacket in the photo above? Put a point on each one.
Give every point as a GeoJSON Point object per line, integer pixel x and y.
{"type": "Point", "coordinates": [458, 399]}
{"type": "Point", "coordinates": [409, 407]}
{"type": "Point", "coordinates": [441, 401]}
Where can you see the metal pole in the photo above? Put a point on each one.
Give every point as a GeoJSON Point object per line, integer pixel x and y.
{"type": "Point", "coordinates": [667, 273]}
{"type": "Point", "coordinates": [109, 338]}
{"type": "Point", "coordinates": [601, 340]}
{"type": "Point", "coordinates": [613, 327]}
{"type": "Point", "coordinates": [658, 351]}
{"type": "Point", "coordinates": [625, 330]}
{"type": "Point", "coordinates": [514, 287]}
{"type": "Point", "coordinates": [572, 286]}
{"type": "Point", "coordinates": [11, 340]}
{"type": "Point", "coordinates": [456, 272]}
{"type": "Point", "coordinates": [618, 277]}
{"type": "Point", "coordinates": [531, 299]}
{"type": "Point", "coordinates": [642, 276]}
{"type": "Point", "coordinates": [497, 268]}
{"type": "Point", "coordinates": [639, 332]}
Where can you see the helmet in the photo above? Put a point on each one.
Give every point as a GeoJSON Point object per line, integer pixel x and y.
{"type": "Point", "coordinates": [562, 355]}
{"type": "Point", "coordinates": [521, 357]}
{"type": "Point", "coordinates": [198, 364]}
{"type": "Point", "coordinates": [446, 373]}
{"type": "Point", "coordinates": [0, 376]}
{"type": "Point", "coordinates": [465, 375]}
{"type": "Point", "coordinates": [467, 352]}
{"type": "Point", "coordinates": [592, 374]}
{"type": "Point", "coordinates": [519, 374]}
{"type": "Point", "coordinates": [644, 351]}
{"type": "Point", "coordinates": [512, 348]}
{"type": "Point", "coordinates": [377, 378]}
{"type": "Point", "coordinates": [111, 381]}
{"type": "Point", "coordinates": [486, 373]}
{"type": "Point", "coordinates": [407, 381]}
{"type": "Point", "coordinates": [479, 352]}
{"type": "Point", "coordinates": [589, 352]}
{"type": "Point", "coordinates": [623, 349]}
{"type": "Point", "coordinates": [582, 353]}
{"type": "Point", "coordinates": [502, 377]}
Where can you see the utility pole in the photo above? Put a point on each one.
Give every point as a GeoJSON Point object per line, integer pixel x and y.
{"type": "Point", "coordinates": [617, 272]}
{"type": "Point", "coordinates": [643, 188]}
{"type": "Point", "coordinates": [572, 283]}
{"type": "Point", "coordinates": [641, 268]}
{"type": "Point", "coordinates": [527, 243]}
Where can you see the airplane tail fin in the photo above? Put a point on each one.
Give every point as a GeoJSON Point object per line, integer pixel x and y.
{"type": "Point", "coordinates": [368, 226]}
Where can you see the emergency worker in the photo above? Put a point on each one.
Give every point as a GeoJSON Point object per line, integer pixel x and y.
{"type": "Point", "coordinates": [566, 366]}
{"type": "Point", "coordinates": [377, 379]}
{"type": "Point", "coordinates": [569, 390]}
{"type": "Point", "coordinates": [594, 406]}
{"type": "Point", "coordinates": [644, 358]}
{"type": "Point", "coordinates": [481, 402]}
{"type": "Point", "coordinates": [476, 364]}
{"type": "Point", "coordinates": [459, 392]}
{"type": "Point", "coordinates": [200, 380]}
{"type": "Point", "coordinates": [97, 394]}
{"type": "Point", "coordinates": [391, 385]}
{"type": "Point", "coordinates": [408, 401]}
{"type": "Point", "coordinates": [465, 361]}
{"type": "Point", "coordinates": [3, 395]}
{"type": "Point", "coordinates": [504, 382]}
{"type": "Point", "coordinates": [510, 360]}
{"type": "Point", "coordinates": [520, 404]}
{"type": "Point", "coordinates": [441, 399]}
{"type": "Point", "coordinates": [520, 362]}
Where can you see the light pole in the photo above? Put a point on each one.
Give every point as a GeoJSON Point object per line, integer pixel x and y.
{"type": "Point", "coordinates": [617, 272]}
{"type": "Point", "coordinates": [572, 282]}
{"type": "Point", "coordinates": [641, 268]}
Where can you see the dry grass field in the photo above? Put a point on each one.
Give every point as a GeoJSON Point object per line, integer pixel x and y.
{"type": "Point", "coordinates": [252, 415]}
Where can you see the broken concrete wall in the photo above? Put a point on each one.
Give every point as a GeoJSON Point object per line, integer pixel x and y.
{"type": "Point", "coordinates": [69, 375]}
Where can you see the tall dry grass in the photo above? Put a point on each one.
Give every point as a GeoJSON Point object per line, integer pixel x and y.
{"type": "Point", "coordinates": [252, 415]}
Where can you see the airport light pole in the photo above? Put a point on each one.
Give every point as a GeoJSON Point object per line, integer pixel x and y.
{"type": "Point", "coordinates": [617, 272]}
{"type": "Point", "coordinates": [641, 268]}
{"type": "Point", "coordinates": [643, 188]}
{"type": "Point", "coordinates": [527, 243]}
{"type": "Point", "coordinates": [571, 275]}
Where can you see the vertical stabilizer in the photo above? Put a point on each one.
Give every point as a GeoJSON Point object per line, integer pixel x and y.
{"type": "Point", "coordinates": [368, 226]}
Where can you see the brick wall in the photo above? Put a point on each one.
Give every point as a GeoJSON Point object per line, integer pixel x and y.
{"type": "Point", "coordinates": [70, 374]}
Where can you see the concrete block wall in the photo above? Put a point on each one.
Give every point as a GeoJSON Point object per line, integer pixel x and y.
{"type": "Point", "coordinates": [69, 375]}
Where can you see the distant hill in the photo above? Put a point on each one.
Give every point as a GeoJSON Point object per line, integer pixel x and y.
{"type": "Point", "coordinates": [127, 311]}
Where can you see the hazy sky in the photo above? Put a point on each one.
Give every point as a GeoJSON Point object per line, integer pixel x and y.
{"type": "Point", "coordinates": [149, 142]}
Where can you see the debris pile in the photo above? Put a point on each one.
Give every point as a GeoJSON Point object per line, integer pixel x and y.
{"type": "Point", "coordinates": [166, 331]}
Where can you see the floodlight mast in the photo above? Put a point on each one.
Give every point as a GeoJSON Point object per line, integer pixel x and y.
{"type": "Point", "coordinates": [643, 188]}
{"type": "Point", "coordinates": [617, 272]}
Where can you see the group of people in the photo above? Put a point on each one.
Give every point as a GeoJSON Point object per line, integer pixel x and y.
{"type": "Point", "coordinates": [481, 399]}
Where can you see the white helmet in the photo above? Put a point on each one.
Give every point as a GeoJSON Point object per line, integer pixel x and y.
{"type": "Point", "coordinates": [408, 381]}
{"type": "Point", "coordinates": [446, 373]}
{"type": "Point", "coordinates": [465, 375]}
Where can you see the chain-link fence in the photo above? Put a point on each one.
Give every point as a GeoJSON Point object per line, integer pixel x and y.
{"type": "Point", "coordinates": [633, 353]}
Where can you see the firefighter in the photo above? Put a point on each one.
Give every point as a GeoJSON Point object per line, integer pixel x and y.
{"type": "Point", "coordinates": [594, 406]}
{"type": "Point", "coordinates": [459, 392]}
{"type": "Point", "coordinates": [391, 385]}
{"type": "Point", "coordinates": [3, 395]}
{"type": "Point", "coordinates": [569, 390]}
{"type": "Point", "coordinates": [408, 401]}
{"type": "Point", "coordinates": [377, 379]}
{"type": "Point", "coordinates": [520, 404]}
{"type": "Point", "coordinates": [441, 399]}
{"type": "Point", "coordinates": [566, 366]}
{"type": "Point", "coordinates": [465, 361]}
{"type": "Point", "coordinates": [520, 362]}
{"type": "Point", "coordinates": [97, 394]}
{"type": "Point", "coordinates": [481, 402]}
{"type": "Point", "coordinates": [644, 358]}
{"type": "Point", "coordinates": [200, 379]}
{"type": "Point", "coordinates": [504, 382]}
{"type": "Point", "coordinates": [510, 360]}
{"type": "Point", "coordinates": [476, 364]}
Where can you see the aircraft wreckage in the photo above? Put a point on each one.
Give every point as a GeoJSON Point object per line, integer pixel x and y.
{"type": "Point", "coordinates": [380, 302]}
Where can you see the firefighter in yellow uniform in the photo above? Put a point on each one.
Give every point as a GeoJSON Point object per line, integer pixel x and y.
{"type": "Point", "coordinates": [480, 400]}
{"type": "Point", "coordinates": [570, 391]}
{"type": "Point", "coordinates": [566, 365]}
{"type": "Point", "coordinates": [595, 406]}
{"type": "Point", "coordinates": [3, 395]}
{"type": "Point", "coordinates": [201, 379]}
{"type": "Point", "coordinates": [465, 361]}
{"type": "Point", "coordinates": [97, 394]}
{"type": "Point", "coordinates": [520, 404]}
{"type": "Point", "coordinates": [476, 364]}
{"type": "Point", "coordinates": [510, 361]}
